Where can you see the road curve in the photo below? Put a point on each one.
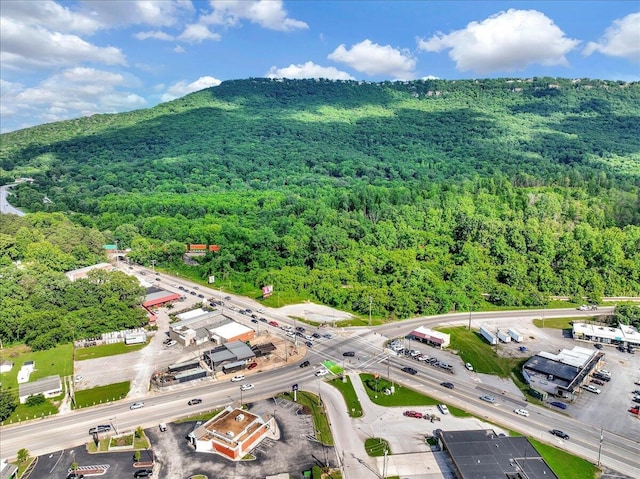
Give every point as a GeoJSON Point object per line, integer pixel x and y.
{"type": "Point", "coordinates": [5, 207]}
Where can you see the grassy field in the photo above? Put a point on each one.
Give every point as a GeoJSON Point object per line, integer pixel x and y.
{"type": "Point", "coordinates": [354, 408]}
{"type": "Point", "coordinates": [101, 394]}
{"type": "Point", "coordinates": [58, 360]}
{"type": "Point", "coordinates": [406, 397]}
{"type": "Point", "coordinates": [565, 465]}
{"type": "Point", "coordinates": [106, 350]}
{"type": "Point", "coordinates": [320, 419]}
{"type": "Point", "coordinates": [376, 446]}
{"type": "Point", "coordinates": [557, 323]}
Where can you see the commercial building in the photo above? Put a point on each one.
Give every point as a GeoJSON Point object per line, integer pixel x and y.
{"type": "Point", "coordinates": [50, 386]}
{"type": "Point", "coordinates": [83, 272]}
{"type": "Point", "coordinates": [623, 335]}
{"type": "Point", "coordinates": [157, 297]}
{"type": "Point", "coordinates": [232, 433]}
{"type": "Point", "coordinates": [430, 336]}
{"type": "Point", "coordinates": [229, 356]}
{"type": "Point", "coordinates": [199, 327]}
{"type": "Point", "coordinates": [483, 454]}
{"type": "Point", "coordinates": [563, 373]}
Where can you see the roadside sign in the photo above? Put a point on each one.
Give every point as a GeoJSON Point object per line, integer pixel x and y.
{"type": "Point", "coordinates": [294, 387]}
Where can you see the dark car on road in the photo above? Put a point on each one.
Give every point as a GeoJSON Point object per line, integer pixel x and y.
{"type": "Point", "coordinates": [349, 353]}
{"type": "Point", "coordinates": [316, 335]}
{"type": "Point", "coordinates": [409, 370]}
{"type": "Point", "coordinates": [308, 344]}
{"type": "Point", "coordinates": [264, 320]}
{"type": "Point", "coordinates": [300, 329]}
{"type": "Point", "coordinates": [304, 364]}
{"type": "Point", "coordinates": [143, 473]}
{"type": "Point", "coordinates": [75, 475]}
{"type": "Point", "coordinates": [559, 433]}
{"type": "Point", "coordinates": [598, 346]}
{"type": "Point", "coordinates": [558, 404]}
{"type": "Point", "coordinates": [193, 402]}
{"type": "Point", "coordinates": [447, 385]}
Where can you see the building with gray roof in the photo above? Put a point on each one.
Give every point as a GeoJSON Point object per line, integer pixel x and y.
{"type": "Point", "coordinates": [49, 386]}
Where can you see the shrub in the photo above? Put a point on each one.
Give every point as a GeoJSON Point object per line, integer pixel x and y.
{"type": "Point", "coordinates": [35, 400]}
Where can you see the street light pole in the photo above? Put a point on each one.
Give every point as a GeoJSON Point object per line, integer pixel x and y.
{"type": "Point", "coordinates": [600, 447]}
{"type": "Point", "coordinates": [370, 304]}
{"type": "Point", "coordinates": [153, 265]}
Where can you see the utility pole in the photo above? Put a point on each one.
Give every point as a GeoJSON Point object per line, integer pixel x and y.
{"type": "Point", "coordinates": [600, 447]}
{"type": "Point", "coordinates": [370, 304]}
{"type": "Point", "coordinates": [469, 328]}
{"type": "Point", "coordinates": [544, 310]}
{"type": "Point", "coordinates": [153, 265]}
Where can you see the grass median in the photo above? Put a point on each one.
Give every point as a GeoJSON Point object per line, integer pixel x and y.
{"type": "Point", "coordinates": [354, 408]}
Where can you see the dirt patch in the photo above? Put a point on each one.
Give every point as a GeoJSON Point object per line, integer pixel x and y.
{"type": "Point", "coordinates": [315, 312]}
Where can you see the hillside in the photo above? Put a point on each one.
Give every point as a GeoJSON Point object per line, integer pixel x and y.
{"type": "Point", "coordinates": [412, 197]}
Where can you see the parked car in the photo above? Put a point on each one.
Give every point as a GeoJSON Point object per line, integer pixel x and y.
{"type": "Point", "coordinates": [193, 402]}
{"type": "Point", "coordinates": [490, 399]}
{"type": "Point", "coordinates": [559, 433]}
{"type": "Point", "coordinates": [416, 414]}
{"type": "Point", "coordinates": [252, 365]}
{"type": "Point", "coordinates": [598, 382]}
{"type": "Point", "coordinates": [598, 346]}
{"type": "Point", "coordinates": [591, 389]}
{"type": "Point", "coordinates": [172, 342]}
{"type": "Point", "coordinates": [447, 385]}
{"type": "Point", "coordinates": [79, 378]}
{"type": "Point", "coordinates": [322, 372]}
{"type": "Point", "coordinates": [521, 412]}
{"type": "Point", "coordinates": [443, 408]}
{"type": "Point", "coordinates": [349, 354]}
{"type": "Point", "coordinates": [136, 405]}
{"type": "Point", "coordinates": [143, 473]}
{"type": "Point", "coordinates": [308, 344]}
{"type": "Point", "coordinates": [75, 475]}
{"type": "Point", "coordinates": [558, 404]}
{"type": "Point", "coordinates": [237, 378]}
{"type": "Point", "coordinates": [469, 366]}
{"type": "Point", "coordinates": [409, 370]}
{"type": "Point", "coordinates": [246, 387]}
{"type": "Point", "coordinates": [304, 364]}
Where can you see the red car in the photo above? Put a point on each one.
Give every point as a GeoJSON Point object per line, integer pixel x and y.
{"type": "Point", "coordinates": [416, 414]}
{"type": "Point", "coordinates": [252, 365]}
{"type": "Point", "coordinates": [273, 323]}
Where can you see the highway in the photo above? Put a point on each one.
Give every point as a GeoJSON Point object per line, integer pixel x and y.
{"type": "Point", "coordinates": [66, 430]}
{"type": "Point", "coordinates": [5, 207]}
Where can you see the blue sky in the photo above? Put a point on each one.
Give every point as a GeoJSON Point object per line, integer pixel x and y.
{"type": "Point", "coordinates": [66, 59]}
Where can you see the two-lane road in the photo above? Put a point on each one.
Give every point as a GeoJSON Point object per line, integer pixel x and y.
{"type": "Point", "coordinates": [5, 207]}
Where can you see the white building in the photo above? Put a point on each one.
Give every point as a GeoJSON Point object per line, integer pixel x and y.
{"type": "Point", "coordinates": [50, 386]}
{"type": "Point", "coordinates": [431, 336]}
{"type": "Point", "coordinates": [623, 335]}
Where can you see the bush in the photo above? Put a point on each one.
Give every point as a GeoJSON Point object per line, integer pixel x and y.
{"type": "Point", "coordinates": [8, 404]}
{"type": "Point", "coordinates": [381, 385]}
{"type": "Point", "coordinates": [35, 400]}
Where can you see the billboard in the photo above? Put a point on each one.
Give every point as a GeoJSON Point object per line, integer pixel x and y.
{"type": "Point", "coordinates": [212, 279]}
{"type": "Point", "coordinates": [267, 291]}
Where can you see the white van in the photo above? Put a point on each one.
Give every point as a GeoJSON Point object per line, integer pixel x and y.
{"type": "Point", "coordinates": [163, 427]}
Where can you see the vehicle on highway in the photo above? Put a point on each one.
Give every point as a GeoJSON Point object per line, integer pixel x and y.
{"type": "Point", "coordinates": [559, 433]}
{"type": "Point", "coordinates": [172, 342]}
{"type": "Point", "coordinates": [443, 408]}
{"type": "Point", "coordinates": [192, 293]}
{"type": "Point", "coordinates": [136, 405]}
{"type": "Point", "coordinates": [181, 288]}
{"type": "Point", "coordinates": [469, 366]}
{"type": "Point", "coordinates": [193, 402]}
{"type": "Point", "coordinates": [308, 344]}
{"type": "Point", "coordinates": [409, 370]}
{"type": "Point", "coordinates": [143, 473]}
{"type": "Point", "coordinates": [304, 364]}
{"type": "Point", "coordinates": [521, 412]}
{"type": "Point", "coordinates": [264, 320]}
{"type": "Point", "coordinates": [227, 298]}
{"type": "Point", "coordinates": [490, 399]}
{"type": "Point", "coordinates": [249, 310]}
{"type": "Point", "coordinates": [316, 336]}
{"type": "Point", "coordinates": [300, 329]}
{"type": "Point", "coordinates": [79, 378]}
{"type": "Point", "coordinates": [416, 414]}
{"type": "Point", "coordinates": [349, 354]}
{"type": "Point", "coordinates": [322, 372]}
{"type": "Point", "coordinates": [447, 385]}
{"type": "Point", "coordinates": [591, 389]}
{"type": "Point", "coordinates": [598, 346]}
{"type": "Point", "coordinates": [100, 428]}
{"type": "Point", "coordinates": [558, 404]}
{"type": "Point", "coordinates": [252, 365]}
{"type": "Point", "coordinates": [273, 323]}
{"type": "Point", "coordinates": [237, 378]}
{"type": "Point", "coordinates": [246, 387]}
{"type": "Point", "coordinates": [201, 295]}
{"type": "Point", "coordinates": [254, 320]}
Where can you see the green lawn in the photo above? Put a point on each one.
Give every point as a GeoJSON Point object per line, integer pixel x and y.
{"type": "Point", "coordinates": [565, 465]}
{"type": "Point", "coordinates": [101, 394]}
{"type": "Point", "coordinates": [556, 323]}
{"type": "Point", "coordinates": [320, 419]}
{"type": "Point", "coordinates": [375, 446]}
{"type": "Point", "coordinates": [106, 350]}
{"type": "Point", "coordinates": [405, 397]}
{"type": "Point", "coordinates": [50, 362]}
{"type": "Point", "coordinates": [354, 408]}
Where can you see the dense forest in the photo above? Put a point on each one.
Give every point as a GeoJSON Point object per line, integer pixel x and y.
{"type": "Point", "coordinates": [410, 197]}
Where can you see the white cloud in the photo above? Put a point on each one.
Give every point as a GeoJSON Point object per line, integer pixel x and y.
{"type": "Point", "coordinates": [179, 49]}
{"type": "Point", "coordinates": [183, 88]}
{"type": "Point", "coordinates": [197, 33]}
{"type": "Point", "coordinates": [71, 93]}
{"type": "Point", "coordinates": [430, 77]}
{"type": "Point", "coordinates": [50, 15]}
{"type": "Point", "coordinates": [308, 70]}
{"type": "Point", "coordinates": [25, 46]}
{"type": "Point", "coordinates": [621, 39]}
{"type": "Point", "coordinates": [505, 42]}
{"type": "Point", "coordinates": [156, 35]}
{"type": "Point", "coordinates": [374, 59]}
{"type": "Point", "coordinates": [266, 13]}
{"type": "Point", "coordinates": [158, 13]}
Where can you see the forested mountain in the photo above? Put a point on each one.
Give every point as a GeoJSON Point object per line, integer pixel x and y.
{"type": "Point", "coordinates": [415, 197]}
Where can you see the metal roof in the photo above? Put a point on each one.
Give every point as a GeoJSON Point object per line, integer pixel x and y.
{"type": "Point", "coordinates": [40, 386]}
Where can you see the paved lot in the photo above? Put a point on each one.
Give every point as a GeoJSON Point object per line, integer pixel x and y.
{"type": "Point", "coordinates": [293, 453]}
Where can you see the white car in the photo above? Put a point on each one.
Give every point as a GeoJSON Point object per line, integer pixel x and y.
{"type": "Point", "coordinates": [136, 405]}
{"type": "Point", "coordinates": [468, 366]}
{"type": "Point", "coordinates": [246, 387]}
{"type": "Point", "coordinates": [443, 408]}
{"type": "Point", "coordinates": [605, 372]}
{"type": "Point", "coordinates": [322, 372]}
{"type": "Point", "coordinates": [591, 389]}
{"type": "Point", "coordinates": [237, 378]}
{"type": "Point", "coordinates": [79, 378]}
{"type": "Point", "coordinates": [522, 412]}
{"type": "Point", "coordinates": [173, 342]}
